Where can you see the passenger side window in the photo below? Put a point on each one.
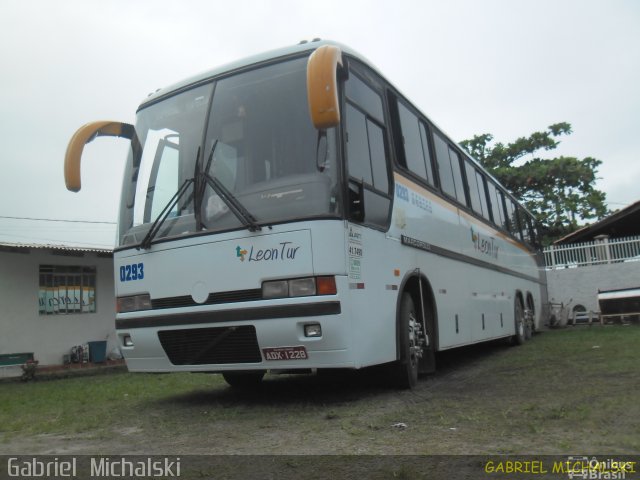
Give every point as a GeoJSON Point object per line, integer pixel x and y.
{"type": "Point", "coordinates": [444, 166]}
{"type": "Point", "coordinates": [525, 225]}
{"type": "Point", "coordinates": [366, 150]}
{"type": "Point", "coordinates": [366, 147]}
{"type": "Point", "coordinates": [378, 154]}
{"type": "Point", "coordinates": [358, 145]}
{"type": "Point", "coordinates": [416, 147]}
{"type": "Point", "coordinates": [361, 94]}
{"type": "Point", "coordinates": [512, 219]}
{"type": "Point", "coordinates": [496, 207]}
{"type": "Point", "coordinates": [477, 191]}
{"type": "Point", "coordinates": [449, 169]}
{"type": "Point", "coordinates": [474, 193]}
{"type": "Point", "coordinates": [482, 189]}
{"type": "Point", "coordinates": [457, 175]}
{"type": "Point", "coordinates": [427, 153]}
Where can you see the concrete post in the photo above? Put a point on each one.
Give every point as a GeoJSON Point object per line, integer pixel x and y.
{"type": "Point", "coordinates": [604, 240]}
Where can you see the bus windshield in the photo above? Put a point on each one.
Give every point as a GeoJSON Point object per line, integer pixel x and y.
{"type": "Point", "coordinates": [260, 156]}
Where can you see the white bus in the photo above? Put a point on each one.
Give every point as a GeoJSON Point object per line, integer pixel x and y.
{"type": "Point", "coordinates": [295, 211]}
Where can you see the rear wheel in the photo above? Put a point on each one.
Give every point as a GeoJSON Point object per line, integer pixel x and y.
{"type": "Point", "coordinates": [243, 380]}
{"type": "Point", "coordinates": [528, 324]}
{"type": "Point", "coordinates": [521, 325]}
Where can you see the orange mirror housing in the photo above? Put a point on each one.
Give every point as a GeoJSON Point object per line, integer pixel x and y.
{"type": "Point", "coordinates": [84, 135]}
{"type": "Point", "coordinates": [322, 86]}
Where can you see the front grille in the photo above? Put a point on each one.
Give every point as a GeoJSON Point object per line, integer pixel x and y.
{"type": "Point", "coordinates": [204, 346]}
{"type": "Point", "coordinates": [172, 302]}
{"type": "Point", "coordinates": [235, 296]}
{"type": "Point", "coordinates": [213, 299]}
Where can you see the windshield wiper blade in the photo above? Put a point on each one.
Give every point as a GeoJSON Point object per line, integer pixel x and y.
{"type": "Point", "coordinates": [198, 191]}
{"type": "Point", "coordinates": [163, 215]}
{"type": "Point", "coordinates": [239, 210]}
{"type": "Point", "coordinates": [247, 219]}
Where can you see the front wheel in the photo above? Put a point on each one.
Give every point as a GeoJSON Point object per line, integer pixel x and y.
{"type": "Point", "coordinates": [410, 342]}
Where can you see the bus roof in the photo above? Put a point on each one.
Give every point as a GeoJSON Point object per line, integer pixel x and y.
{"type": "Point", "coordinates": [304, 46]}
{"type": "Point", "coordinates": [243, 63]}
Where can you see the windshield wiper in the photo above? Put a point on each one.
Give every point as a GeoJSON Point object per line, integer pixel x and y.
{"type": "Point", "coordinates": [163, 215]}
{"type": "Point", "coordinates": [245, 217]}
{"type": "Point", "coordinates": [198, 191]}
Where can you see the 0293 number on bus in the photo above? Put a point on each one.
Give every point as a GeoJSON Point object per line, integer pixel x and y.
{"type": "Point", "coordinates": [132, 272]}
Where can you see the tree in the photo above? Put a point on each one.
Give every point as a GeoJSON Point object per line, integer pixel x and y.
{"type": "Point", "coordinates": [559, 191]}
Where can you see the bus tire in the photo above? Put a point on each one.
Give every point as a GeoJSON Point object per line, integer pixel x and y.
{"type": "Point", "coordinates": [521, 325]}
{"type": "Point", "coordinates": [406, 374]}
{"type": "Point", "coordinates": [243, 380]}
{"type": "Point", "coordinates": [428, 361]}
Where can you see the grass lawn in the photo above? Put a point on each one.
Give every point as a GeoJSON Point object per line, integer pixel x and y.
{"type": "Point", "coordinates": [566, 391]}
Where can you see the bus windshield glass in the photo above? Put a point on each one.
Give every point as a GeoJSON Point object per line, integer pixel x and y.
{"type": "Point", "coordinates": [241, 147]}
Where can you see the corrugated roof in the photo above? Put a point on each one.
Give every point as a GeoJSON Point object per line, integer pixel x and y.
{"type": "Point", "coordinates": [51, 246]}
{"type": "Point", "coordinates": [26, 233]}
{"type": "Point", "coordinates": [623, 223]}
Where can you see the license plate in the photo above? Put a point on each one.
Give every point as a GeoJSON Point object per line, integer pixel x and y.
{"type": "Point", "coordinates": [285, 353]}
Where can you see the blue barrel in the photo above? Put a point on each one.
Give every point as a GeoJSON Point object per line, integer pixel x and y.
{"type": "Point", "coordinates": [98, 351]}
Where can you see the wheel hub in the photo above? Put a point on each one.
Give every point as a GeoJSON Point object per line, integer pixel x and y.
{"type": "Point", "coordinates": [417, 339]}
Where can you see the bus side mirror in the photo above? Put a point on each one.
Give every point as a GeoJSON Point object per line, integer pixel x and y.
{"type": "Point", "coordinates": [356, 201]}
{"type": "Point", "coordinates": [322, 86]}
{"type": "Point", "coordinates": [84, 135]}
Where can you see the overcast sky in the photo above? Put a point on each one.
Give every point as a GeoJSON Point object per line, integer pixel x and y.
{"type": "Point", "coordinates": [506, 67]}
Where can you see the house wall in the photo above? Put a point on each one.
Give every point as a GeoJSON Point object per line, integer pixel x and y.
{"type": "Point", "coordinates": [580, 285]}
{"type": "Point", "coordinates": [49, 337]}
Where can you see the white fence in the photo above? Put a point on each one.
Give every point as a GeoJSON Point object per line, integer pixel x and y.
{"type": "Point", "coordinates": [606, 250]}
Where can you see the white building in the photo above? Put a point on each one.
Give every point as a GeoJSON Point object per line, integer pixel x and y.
{"type": "Point", "coordinates": [597, 258]}
{"type": "Point", "coordinates": [54, 296]}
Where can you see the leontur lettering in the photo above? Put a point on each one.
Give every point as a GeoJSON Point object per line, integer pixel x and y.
{"type": "Point", "coordinates": [285, 251]}
{"type": "Point", "coordinates": [485, 245]}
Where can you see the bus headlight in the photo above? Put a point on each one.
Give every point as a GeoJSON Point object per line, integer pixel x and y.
{"type": "Point", "coordinates": [277, 289]}
{"type": "Point", "coordinates": [133, 303]}
{"type": "Point", "coordinates": [299, 287]}
{"type": "Point", "coordinates": [302, 287]}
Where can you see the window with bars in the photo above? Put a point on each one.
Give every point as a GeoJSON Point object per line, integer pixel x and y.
{"type": "Point", "coordinates": [67, 290]}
